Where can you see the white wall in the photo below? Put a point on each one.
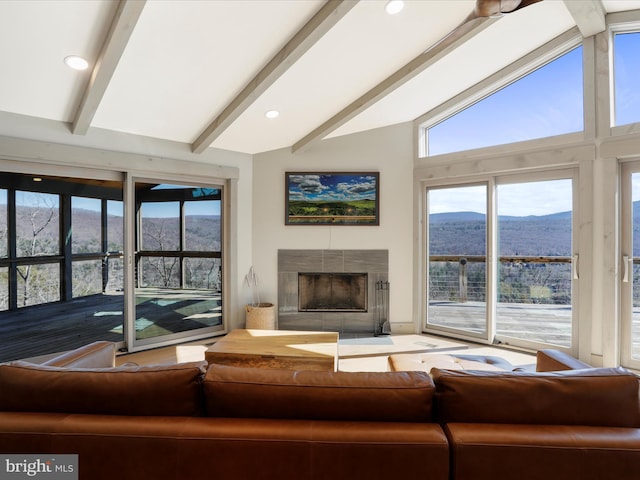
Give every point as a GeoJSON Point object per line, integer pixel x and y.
{"type": "Point", "coordinates": [387, 150]}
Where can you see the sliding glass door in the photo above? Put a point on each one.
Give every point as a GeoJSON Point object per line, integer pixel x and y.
{"type": "Point", "coordinates": [139, 263]}
{"type": "Point", "coordinates": [500, 260]}
{"type": "Point", "coordinates": [535, 263]}
{"type": "Point", "coordinates": [630, 251]}
{"type": "Point", "coordinates": [178, 261]}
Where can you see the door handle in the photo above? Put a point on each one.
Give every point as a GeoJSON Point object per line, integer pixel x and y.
{"type": "Point", "coordinates": [626, 260]}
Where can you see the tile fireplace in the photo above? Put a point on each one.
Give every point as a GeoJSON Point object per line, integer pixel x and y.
{"type": "Point", "coordinates": [330, 290]}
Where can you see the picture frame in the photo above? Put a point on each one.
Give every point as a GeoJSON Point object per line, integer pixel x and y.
{"type": "Point", "coordinates": [332, 198]}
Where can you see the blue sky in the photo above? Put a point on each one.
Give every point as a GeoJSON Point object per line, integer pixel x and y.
{"type": "Point", "coordinates": [333, 187]}
{"type": "Point", "coordinates": [548, 101]}
{"type": "Point", "coordinates": [627, 73]}
{"type": "Point", "coordinates": [517, 199]}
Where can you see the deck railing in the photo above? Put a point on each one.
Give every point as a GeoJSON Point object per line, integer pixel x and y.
{"type": "Point", "coordinates": [522, 279]}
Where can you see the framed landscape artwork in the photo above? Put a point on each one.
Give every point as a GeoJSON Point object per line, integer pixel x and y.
{"type": "Point", "coordinates": [332, 198]}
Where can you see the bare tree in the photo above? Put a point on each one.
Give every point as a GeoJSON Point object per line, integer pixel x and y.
{"type": "Point", "coordinates": [155, 234]}
{"type": "Point", "coordinates": [34, 221]}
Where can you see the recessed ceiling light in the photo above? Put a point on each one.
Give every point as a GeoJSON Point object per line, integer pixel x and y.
{"type": "Point", "coordinates": [37, 179]}
{"type": "Point", "coordinates": [272, 114]}
{"type": "Point", "coordinates": [394, 6]}
{"type": "Point", "coordinates": [76, 62]}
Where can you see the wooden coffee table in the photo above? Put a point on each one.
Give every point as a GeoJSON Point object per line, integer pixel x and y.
{"type": "Point", "coordinates": [285, 349]}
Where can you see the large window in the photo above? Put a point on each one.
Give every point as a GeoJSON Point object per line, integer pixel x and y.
{"type": "Point", "coordinates": [53, 266]}
{"type": "Point", "coordinates": [547, 102]}
{"type": "Point", "coordinates": [626, 74]}
{"type": "Point", "coordinates": [503, 274]}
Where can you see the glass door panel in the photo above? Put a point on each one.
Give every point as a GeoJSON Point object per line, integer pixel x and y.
{"type": "Point", "coordinates": [630, 287]}
{"type": "Point", "coordinates": [534, 268]}
{"type": "Point", "coordinates": [634, 338]}
{"type": "Point", "coordinates": [178, 273]}
{"type": "Point", "coordinates": [457, 252]}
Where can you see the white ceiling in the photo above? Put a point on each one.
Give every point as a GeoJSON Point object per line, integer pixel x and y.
{"type": "Point", "coordinates": [169, 68]}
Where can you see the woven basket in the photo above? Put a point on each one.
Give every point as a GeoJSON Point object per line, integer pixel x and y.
{"type": "Point", "coordinates": [261, 316]}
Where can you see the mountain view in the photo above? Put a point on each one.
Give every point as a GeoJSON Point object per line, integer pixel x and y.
{"type": "Point", "coordinates": [38, 234]}
{"type": "Point", "coordinates": [464, 233]}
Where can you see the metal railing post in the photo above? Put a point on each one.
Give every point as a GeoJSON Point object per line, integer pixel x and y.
{"type": "Point", "coordinates": [462, 280]}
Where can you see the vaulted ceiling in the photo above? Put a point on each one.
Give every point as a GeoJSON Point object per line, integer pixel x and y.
{"type": "Point", "coordinates": [204, 72]}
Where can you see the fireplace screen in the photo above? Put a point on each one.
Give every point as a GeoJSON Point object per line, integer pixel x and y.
{"type": "Point", "coordinates": [332, 292]}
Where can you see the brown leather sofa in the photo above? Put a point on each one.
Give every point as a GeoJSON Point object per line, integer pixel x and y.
{"type": "Point", "coordinates": [178, 422]}
{"type": "Point", "coordinates": [573, 424]}
{"type": "Point", "coordinates": [562, 420]}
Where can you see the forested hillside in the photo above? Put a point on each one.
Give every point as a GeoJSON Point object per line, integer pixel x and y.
{"type": "Point", "coordinates": [464, 233]}
{"type": "Point", "coordinates": [38, 231]}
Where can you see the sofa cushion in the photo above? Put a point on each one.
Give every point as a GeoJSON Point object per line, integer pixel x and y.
{"type": "Point", "coordinates": [153, 390]}
{"type": "Point", "coordinates": [597, 397]}
{"type": "Point", "coordinates": [100, 354]}
{"type": "Point", "coordinates": [551, 360]}
{"type": "Point", "coordinates": [424, 362]}
{"type": "Point", "coordinates": [315, 395]}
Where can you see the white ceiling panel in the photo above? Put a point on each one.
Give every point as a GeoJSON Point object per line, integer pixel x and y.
{"type": "Point", "coordinates": [359, 52]}
{"type": "Point", "coordinates": [35, 37]}
{"type": "Point", "coordinates": [186, 59]}
{"type": "Point", "coordinates": [611, 6]}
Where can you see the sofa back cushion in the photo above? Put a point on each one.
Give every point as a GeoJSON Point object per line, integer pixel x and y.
{"type": "Point", "coordinates": [314, 395]}
{"type": "Point", "coordinates": [597, 397]}
{"type": "Point", "coordinates": [552, 360]}
{"type": "Point", "coordinates": [174, 390]}
{"type": "Point", "coordinates": [100, 354]}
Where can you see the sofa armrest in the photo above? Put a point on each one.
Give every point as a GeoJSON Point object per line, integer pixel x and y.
{"type": "Point", "coordinates": [99, 354]}
{"type": "Point", "coordinates": [550, 360]}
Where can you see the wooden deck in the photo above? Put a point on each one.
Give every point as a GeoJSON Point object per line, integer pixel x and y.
{"type": "Point", "coordinates": [45, 329]}
{"type": "Point", "coordinates": [540, 323]}
{"type": "Point", "coordinates": [550, 324]}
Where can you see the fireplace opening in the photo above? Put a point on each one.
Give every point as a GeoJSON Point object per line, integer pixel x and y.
{"type": "Point", "coordinates": [332, 292]}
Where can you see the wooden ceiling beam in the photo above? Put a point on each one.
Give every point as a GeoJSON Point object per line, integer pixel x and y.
{"type": "Point", "coordinates": [126, 16]}
{"type": "Point", "coordinates": [589, 15]}
{"type": "Point", "coordinates": [457, 37]}
{"type": "Point", "coordinates": [330, 14]}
